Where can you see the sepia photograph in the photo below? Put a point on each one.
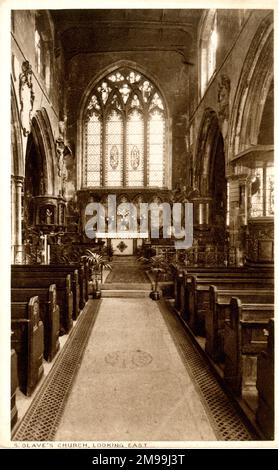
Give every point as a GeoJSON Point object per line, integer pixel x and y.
{"type": "Point", "coordinates": [139, 280]}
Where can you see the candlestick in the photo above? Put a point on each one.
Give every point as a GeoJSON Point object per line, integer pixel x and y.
{"type": "Point", "coordinates": [45, 249]}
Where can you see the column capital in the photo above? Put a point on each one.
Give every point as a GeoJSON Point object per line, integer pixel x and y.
{"type": "Point", "coordinates": [18, 180]}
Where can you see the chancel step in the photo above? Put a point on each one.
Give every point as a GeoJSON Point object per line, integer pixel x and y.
{"type": "Point", "coordinates": [125, 293]}
{"type": "Point", "coordinates": [126, 286]}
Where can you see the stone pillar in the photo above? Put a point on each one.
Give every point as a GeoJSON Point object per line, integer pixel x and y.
{"type": "Point", "coordinates": [237, 215]}
{"type": "Point", "coordinates": [16, 202]}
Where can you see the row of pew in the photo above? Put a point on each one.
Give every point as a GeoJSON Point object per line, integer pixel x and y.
{"type": "Point", "coordinates": [233, 309]}
{"type": "Point", "coordinates": [45, 300]}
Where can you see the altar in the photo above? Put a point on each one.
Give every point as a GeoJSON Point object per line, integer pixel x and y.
{"type": "Point", "coordinates": [123, 243]}
{"type": "Point", "coordinates": [123, 247]}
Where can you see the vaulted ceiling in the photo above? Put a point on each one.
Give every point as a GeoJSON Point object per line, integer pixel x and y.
{"type": "Point", "coordinates": [99, 31]}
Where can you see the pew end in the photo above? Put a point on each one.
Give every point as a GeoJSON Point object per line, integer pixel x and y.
{"type": "Point", "coordinates": [27, 341]}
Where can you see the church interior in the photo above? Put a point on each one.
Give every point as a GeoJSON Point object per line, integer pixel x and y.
{"type": "Point", "coordinates": [122, 334]}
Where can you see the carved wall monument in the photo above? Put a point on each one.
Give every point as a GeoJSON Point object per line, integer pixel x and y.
{"type": "Point", "coordinates": [26, 97]}
{"type": "Point", "coordinates": [224, 87]}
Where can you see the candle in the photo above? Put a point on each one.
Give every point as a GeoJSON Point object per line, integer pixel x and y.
{"type": "Point", "coordinates": [48, 254]}
{"type": "Point", "coordinates": [45, 249]}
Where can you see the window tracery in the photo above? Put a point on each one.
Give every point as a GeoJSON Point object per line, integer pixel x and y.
{"type": "Point", "coordinates": [124, 132]}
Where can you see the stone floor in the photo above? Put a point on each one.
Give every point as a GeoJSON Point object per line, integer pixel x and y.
{"type": "Point", "coordinates": [132, 383]}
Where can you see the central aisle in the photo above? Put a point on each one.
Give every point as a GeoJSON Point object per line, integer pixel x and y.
{"type": "Point", "coordinates": [132, 384]}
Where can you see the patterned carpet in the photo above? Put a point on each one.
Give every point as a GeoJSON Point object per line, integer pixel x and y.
{"type": "Point", "coordinates": [127, 273]}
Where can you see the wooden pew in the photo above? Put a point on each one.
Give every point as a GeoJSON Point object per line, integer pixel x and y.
{"type": "Point", "coordinates": [196, 270]}
{"type": "Point", "coordinates": [197, 291]}
{"type": "Point", "coordinates": [86, 268]}
{"type": "Point", "coordinates": [52, 272]}
{"type": "Point", "coordinates": [63, 289]}
{"type": "Point", "coordinates": [27, 340]}
{"type": "Point", "coordinates": [265, 386]}
{"type": "Point", "coordinates": [244, 339]}
{"type": "Point", "coordinates": [49, 314]}
{"type": "Point", "coordinates": [14, 385]}
{"type": "Point", "coordinates": [219, 311]}
{"type": "Point", "coordinates": [68, 269]}
{"type": "Point", "coordinates": [178, 282]}
{"type": "Point", "coordinates": [179, 275]}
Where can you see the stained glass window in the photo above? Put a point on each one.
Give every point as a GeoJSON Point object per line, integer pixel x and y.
{"type": "Point", "coordinates": [156, 149]}
{"type": "Point", "coordinates": [262, 193]}
{"type": "Point", "coordinates": [93, 133]}
{"type": "Point", "coordinates": [38, 48]}
{"type": "Point", "coordinates": [135, 149]}
{"type": "Point", "coordinates": [208, 46]}
{"type": "Point", "coordinates": [124, 132]}
{"type": "Point", "coordinates": [114, 150]}
{"type": "Point", "coordinates": [256, 209]}
{"type": "Point", "coordinates": [269, 188]}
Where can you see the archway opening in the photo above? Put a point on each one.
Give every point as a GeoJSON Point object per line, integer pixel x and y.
{"type": "Point", "coordinates": [34, 184]}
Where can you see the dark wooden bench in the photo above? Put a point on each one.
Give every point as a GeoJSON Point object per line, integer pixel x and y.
{"type": "Point", "coordinates": [265, 386]}
{"type": "Point", "coordinates": [180, 273]}
{"type": "Point", "coordinates": [219, 311]}
{"type": "Point", "coordinates": [53, 272]}
{"type": "Point", "coordinates": [180, 276]}
{"type": "Point", "coordinates": [197, 295]}
{"type": "Point", "coordinates": [63, 289]}
{"type": "Point", "coordinates": [49, 314]}
{"type": "Point", "coordinates": [80, 279]}
{"type": "Point", "coordinates": [244, 340]}
{"type": "Point", "coordinates": [27, 340]}
{"type": "Point", "coordinates": [14, 385]}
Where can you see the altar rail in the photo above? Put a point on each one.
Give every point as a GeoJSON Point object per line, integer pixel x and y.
{"type": "Point", "coordinates": [195, 257]}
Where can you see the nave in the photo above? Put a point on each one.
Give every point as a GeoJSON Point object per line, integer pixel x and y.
{"type": "Point", "coordinates": [130, 372]}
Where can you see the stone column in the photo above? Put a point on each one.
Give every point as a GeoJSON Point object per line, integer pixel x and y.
{"type": "Point", "coordinates": [237, 215]}
{"type": "Point", "coordinates": [16, 202]}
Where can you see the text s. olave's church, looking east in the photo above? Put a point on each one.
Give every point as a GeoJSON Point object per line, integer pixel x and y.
{"type": "Point", "coordinates": [123, 335]}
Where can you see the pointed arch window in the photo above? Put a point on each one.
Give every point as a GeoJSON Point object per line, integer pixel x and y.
{"type": "Point", "coordinates": [208, 45]}
{"type": "Point", "coordinates": [124, 133]}
{"type": "Point", "coordinates": [38, 48]}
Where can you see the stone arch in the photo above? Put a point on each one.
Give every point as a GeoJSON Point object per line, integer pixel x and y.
{"type": "Point", "coordinates": [105, 71]}
{"type": "Point", "coordinates": [44, 141]}
{"type": "Point", "coordinates": [210, 192]}
{"type": "Point", "coordinates": [208, 138]}
{"type": "Point", "coordinates": [253, 89]}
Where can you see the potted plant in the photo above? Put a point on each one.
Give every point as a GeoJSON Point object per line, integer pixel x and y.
{"type": "Point", "coordinates": [96, 263]}
{"type": "Point", "coordinates": [158, 266]}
